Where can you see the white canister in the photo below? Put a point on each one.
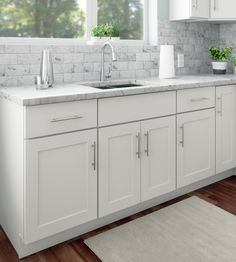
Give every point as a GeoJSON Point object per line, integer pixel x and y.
{"type": "Point", "coordinates": [167, 62]}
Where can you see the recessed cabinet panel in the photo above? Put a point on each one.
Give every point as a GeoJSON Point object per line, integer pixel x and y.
{"type": "Point", "coordinates": [119, 167]}
{"type": "Point", "coordinates": [117, 110]}
{"type": "Point", "coordinates": [200, 8]}
{"type": "Point", "coordinates": [196, 146]}
{"type": "Point", "coordinates": [61, 184]}
{"type": "Point", "coordinates": [189, 9]}
{"type": "Point", "coordinates": [158, 175]}
{"type": "Point", "coordinates": [223, 9]}
{"type": "Point", "coordinates": [195, 99]}
{"type": "Point", "coordinates": [225, 128]}
{"type": "Point", "coordinates": [49, 119]}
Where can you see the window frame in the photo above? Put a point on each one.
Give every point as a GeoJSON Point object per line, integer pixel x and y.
{"type": "Point", "coordinates": [150, 34]}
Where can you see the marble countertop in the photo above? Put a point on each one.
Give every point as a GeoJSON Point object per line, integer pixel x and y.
{"type": "Point", "coordinates": [29, 96]}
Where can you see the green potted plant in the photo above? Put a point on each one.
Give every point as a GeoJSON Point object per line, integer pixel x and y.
{"type": "Point", "coordinates": [97, 33]}
{"type": "Point", "coordinates": [220, 57]}
{"type": "Point", "coordinates": [234, 63]}
{"type": "Point", "coordinates": [115, 33]}
{"type": "Point", "coordinates": [105, 32]}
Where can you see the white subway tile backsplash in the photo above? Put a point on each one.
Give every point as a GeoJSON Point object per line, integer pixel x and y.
{"type": "Point", "coordinates": [143, 56]}
{"type": "Point", "coordinates": [17, 70]}
{"type": "Point", "coordinates": [28, 59]}
{"type": "Point", "coordinates": [17, 49]}
{"type": "Point", "coordinates": [8, 59]}
{"type": "Point", "coordinates": [73, 77]}
{"type": "Point", "coordinates": [120, 66]}
{"type": "Point", "coordinates": [73, 58]}
{"type": "Point", "coordinates": [127, 74]}
{"type": "Point", "coordinates": [132, 65]}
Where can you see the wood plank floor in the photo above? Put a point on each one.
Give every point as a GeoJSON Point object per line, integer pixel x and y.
{"type": "Point", "coordinates": [221, 194]}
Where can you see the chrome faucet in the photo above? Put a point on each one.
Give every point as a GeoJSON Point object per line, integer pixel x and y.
{"type": "Point", "coordinates": [46, 77]}
{"type": "Point", "coordinates": [103, 78]}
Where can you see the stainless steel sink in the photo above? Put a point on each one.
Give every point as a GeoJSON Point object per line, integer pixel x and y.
{"type": "Point", "coordinates": [114, 84]}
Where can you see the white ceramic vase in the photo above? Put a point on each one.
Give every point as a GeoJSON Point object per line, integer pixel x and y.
{"type": "Point", "coordinates": [219, 67]}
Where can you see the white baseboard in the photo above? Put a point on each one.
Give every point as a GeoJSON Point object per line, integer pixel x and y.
{"type": "Point", "coordinates": [25, 250]}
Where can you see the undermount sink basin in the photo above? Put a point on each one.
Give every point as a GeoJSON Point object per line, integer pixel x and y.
{"type": "Point", "coordinates": [114, 84]}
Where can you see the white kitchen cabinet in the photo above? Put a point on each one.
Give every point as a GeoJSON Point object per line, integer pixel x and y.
{"type": "Point", "coordinates": [195, 146]}
{"type": "Point", "coordinates": [223, 9]}
{"type": "Point", "coordinates": [60, 183]}
{"type": "Point", "coordinates": [189, 9]}
{"type": "Point", "coordinates": [119, 167]}
{"type": "Point", "coordinates": [225, 128]}
{"type": "Point", "coordinates": [158, 167]}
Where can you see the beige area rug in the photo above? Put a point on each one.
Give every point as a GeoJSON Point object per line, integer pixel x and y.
{"type": "Point", "coordinates": [192, 230]}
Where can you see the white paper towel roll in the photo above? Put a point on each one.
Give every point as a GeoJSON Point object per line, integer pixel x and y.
{"type": "Point", "coordinates": [167, 63]}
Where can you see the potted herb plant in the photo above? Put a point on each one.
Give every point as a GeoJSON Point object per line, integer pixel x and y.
{"type": "Point", "coordinates": [115, 33]}
{"type": "Point", "coordinates": [220, 57]}
{"type": "Point", "coordinates": [105, 32]}
{"type": "Point", "coordinates": [234, 63]}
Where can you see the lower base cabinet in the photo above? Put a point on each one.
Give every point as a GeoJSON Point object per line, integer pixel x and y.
{"type": "Point", "coordinates": [158, 174]}
{"type": "Point", "coordinates": [196, 146]}
{"type": "Point", "coordinates": [136, 163]}
{"type": "Point", "coordinates": [60, 183]}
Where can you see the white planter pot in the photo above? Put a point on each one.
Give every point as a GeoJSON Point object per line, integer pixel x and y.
{"type": "Point", "coordinates": [115, 39]}
{"type": "Point", "coordinates": [219, 68]}
{"type": "Point", "coordinates": [95, 38]}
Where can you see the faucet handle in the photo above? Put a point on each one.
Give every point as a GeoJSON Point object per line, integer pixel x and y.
{"type": "Point", "coordinates": [108, 75]}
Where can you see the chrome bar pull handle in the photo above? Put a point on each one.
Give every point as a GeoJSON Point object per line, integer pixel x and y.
{"type": "Point", "coordinates": [138, 153]}
{"type": "Point", "coordinates": [215, 5]}
{"type": "Point", "coordinates": [66, 118]}
{"type": "Point", "coordinates": [200, 99]}
{"type": "Point", "coordinates": [147, 148]}
{"type": "Point", "coordinates": [219, 106]}
{"type": "Point", "coordinates": [94, 156]}
{"type": "Point", "coordinates": [182, 135]}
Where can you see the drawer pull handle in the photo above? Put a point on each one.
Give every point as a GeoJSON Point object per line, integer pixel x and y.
{"type": "Point", "coordinates": [94, 156]}
{"type": "Point", "coordinates": [147, 148]}
{"type": "Point", "coordinates": [138, 153]}
{"type": "Point", "coordinates": [182, 135]}
{"type": "Point", "coordinates": [66, 118]}
{"type": "Point", "coordinates": [215, 5]}
{"type": "Point", "coordinates": [200, 99]}
{"type": "Point", "coordinates": [219, 110]}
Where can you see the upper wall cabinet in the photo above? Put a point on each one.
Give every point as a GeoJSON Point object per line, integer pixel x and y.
{"type": "Point", "coordinates": [223, 10]}
{"type": "Point", "coordinates": [189, 9]}
{"type": "Point", "coordinates": [193, 10]}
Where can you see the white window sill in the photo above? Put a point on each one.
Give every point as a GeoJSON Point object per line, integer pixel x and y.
{"type": "Point", "coordinates": [61, 41]}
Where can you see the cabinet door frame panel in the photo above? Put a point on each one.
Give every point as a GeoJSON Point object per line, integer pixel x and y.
{"type": "Point", "coordinates": [33, 231]}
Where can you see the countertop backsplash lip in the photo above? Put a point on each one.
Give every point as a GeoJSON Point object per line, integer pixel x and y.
{"type": "Point", "coordinates": [29, 96]}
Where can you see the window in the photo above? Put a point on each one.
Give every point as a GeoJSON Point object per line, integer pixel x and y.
{"type": "Point", "coordinates": [73, 19]}
{"type": "Point", "coordinates": [127, 14]}
{"type": "Point", "coordinates": [42, 18]}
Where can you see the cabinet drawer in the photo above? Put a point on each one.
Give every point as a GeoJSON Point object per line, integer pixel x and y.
{"type": "Point", "coordinates": [136, 107]}
{"type": "Point", "coordinates": [195, 99]}
{"type": "Point", "coordinates": [58, 118]}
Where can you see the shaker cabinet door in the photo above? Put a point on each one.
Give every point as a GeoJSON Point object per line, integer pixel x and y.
{"type": "Point", "coordinates": [223, 9]}
{"type": "Point", "coordinates": [225, 128]}
{"type": "Point", "coordinates": [195, 146]}
{"type": "Point", "coordinates": [158, 175]}
{"type": "Point", "coordinates": [60, 183]}
{"type": "Point", "coordinates": [119, 167]}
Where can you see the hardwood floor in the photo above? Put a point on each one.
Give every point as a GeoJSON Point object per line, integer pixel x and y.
{"type": "Point", "coordinates": [221, 194]}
